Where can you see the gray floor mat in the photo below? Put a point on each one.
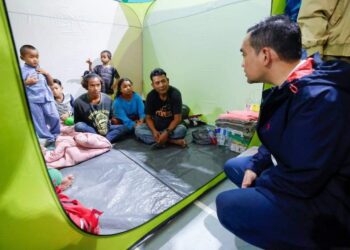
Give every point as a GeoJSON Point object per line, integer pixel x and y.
{"type": "Point", "coordinates": [126, 193]}
{"type": "Point", "coordinates": [183, 170]}
{"type": "Point", "coordinates": [133, 183]}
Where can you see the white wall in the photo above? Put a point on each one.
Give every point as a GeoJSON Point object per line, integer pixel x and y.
{"type": "Point", "coordinates": [196, 42]}
{"type": "Point", "coordinates": [67, 32]}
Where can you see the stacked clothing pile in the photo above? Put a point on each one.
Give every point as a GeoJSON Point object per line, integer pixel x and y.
{"type": "Point", "coordinates": [238, 127]}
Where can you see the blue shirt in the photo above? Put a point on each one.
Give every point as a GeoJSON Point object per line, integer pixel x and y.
{"type": "Point", "coordinates": [124, 109]}
{"type": "Point", "coordinates": [40, 91]}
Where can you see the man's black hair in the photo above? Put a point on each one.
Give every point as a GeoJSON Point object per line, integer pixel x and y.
{"type": "Point", "coordinates": [279, 33]}
{"type": "Point", "coordinates": [24, 48]}
{"type": "Point", "coordinates": [157, 72]}
{"type": "Point", "coordinates": [87, 77]}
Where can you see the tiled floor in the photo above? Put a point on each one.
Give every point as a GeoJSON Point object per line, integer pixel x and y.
{"type": "Point", "coordinates": [197, 228]}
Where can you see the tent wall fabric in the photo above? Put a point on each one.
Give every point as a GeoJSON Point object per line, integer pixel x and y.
{"type": "Point", "coordinates": [67, 33]}
{"type": "Point", "coordinates": [32, 217]}
{"type": "Point", "coordinates": [135, 1]}
{"type": "Point", "coordinates": [198, 45]}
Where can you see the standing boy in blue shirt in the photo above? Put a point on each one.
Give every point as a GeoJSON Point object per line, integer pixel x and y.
{"type": "Point", "coordinates": [41, 102]}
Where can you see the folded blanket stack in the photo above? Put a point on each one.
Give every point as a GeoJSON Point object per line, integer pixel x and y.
{"type": "Point", "coordinates": [237, 127]}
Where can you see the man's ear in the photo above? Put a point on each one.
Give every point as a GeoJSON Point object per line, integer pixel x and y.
{"type": "Point", "coordinates": [266, 55]}
{"type": "Point", "coordinates": [269, 55]}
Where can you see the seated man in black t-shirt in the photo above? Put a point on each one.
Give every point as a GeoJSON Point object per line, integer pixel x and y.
{"type": "Point", "coordinates": [163, 113]}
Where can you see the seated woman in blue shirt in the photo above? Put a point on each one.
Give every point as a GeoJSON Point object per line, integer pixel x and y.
{"type": "Point", "coordinates": [128, 106]}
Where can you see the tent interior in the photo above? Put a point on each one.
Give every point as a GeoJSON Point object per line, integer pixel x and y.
{"type": "Point", "coordinates": [197, 43]}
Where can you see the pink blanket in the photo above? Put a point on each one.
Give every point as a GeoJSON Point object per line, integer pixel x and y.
{"type": "Point", "coordinates": [74, 147]}
{"type": "Point", "coordinates": [240, 115]}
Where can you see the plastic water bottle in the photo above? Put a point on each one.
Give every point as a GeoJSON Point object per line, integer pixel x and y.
{"type": "Point", "coordinates": [212, 136]}
{"type": "Point", "coordinates": [228, 138]}
{"type": "Point", "coordinates": [221, 136]}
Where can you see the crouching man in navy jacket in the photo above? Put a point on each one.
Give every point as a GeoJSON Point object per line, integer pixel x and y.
{"type": "Point", "coordinates": [295, 192]}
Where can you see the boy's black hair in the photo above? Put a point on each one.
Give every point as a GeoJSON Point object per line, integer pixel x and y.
{"type": "Point", "coordinates": [157, 72]}
{"type": "Point", "coordinates": [279, 33]}
{"type": "Point", "coordinates": [109, 54]}
{"type": "Point", "coordinates": [119, 86]}
{"type": "Point", "coordinates": [24, 48]}
{"type": "Point", "coordinates": [57, 81]}
{"type": "Point", "coordinates": [89, 76]}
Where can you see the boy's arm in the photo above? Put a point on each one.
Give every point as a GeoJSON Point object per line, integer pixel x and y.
{"type": "Point", "coordinates": [49, 78]}
{"type": "Point", "coordinates": [30, 80]}
{"type": "Point", "coordinates": [115, 85]}
{"type": "Point", "coordinates": [116, 80]}
{"type": "Point", "coordinates": [89, 62]}
{"type": "Point", "coordinates": [116, 74]}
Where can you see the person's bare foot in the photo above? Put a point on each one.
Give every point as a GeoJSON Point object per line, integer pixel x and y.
{"type": "Point", "coordinates": [66, 182]}
{"type": "Point", "coordinates": [180, 142]}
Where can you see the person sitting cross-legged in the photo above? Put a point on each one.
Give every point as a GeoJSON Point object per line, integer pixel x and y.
{"type": "Point", "coordinates": [163, 114]}
{"type": "Point", "coordinates": [129, 109]}
{"type": "Point", "coordinates": [93, 110]}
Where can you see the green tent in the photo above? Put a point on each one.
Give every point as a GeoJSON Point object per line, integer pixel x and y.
{"type": "Point", "coordinates": [161, 34]}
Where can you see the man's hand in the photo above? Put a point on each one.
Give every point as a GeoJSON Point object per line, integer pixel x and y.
{"type": "Point", "coordinates": [249, 178]}
{"type": "Point", "coordinates": [31, 80]}
{"type": "Point", "coordinates": [163, 138]}
{"type": "Point", "coordinates": [156, 135]}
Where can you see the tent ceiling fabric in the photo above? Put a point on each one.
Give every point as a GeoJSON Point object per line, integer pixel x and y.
{"type": "Point", "coordinates": [168, 9]}
{"type": "Point", "coordinates": [135, 1]}
{"type": "Point", "coordinates": [77, 10]}
{"type": "Point", "coordinates": [140, 9]}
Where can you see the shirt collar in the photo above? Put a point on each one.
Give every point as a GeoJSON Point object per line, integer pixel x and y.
{"type": "Point", "coordinates": [303, 68]}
